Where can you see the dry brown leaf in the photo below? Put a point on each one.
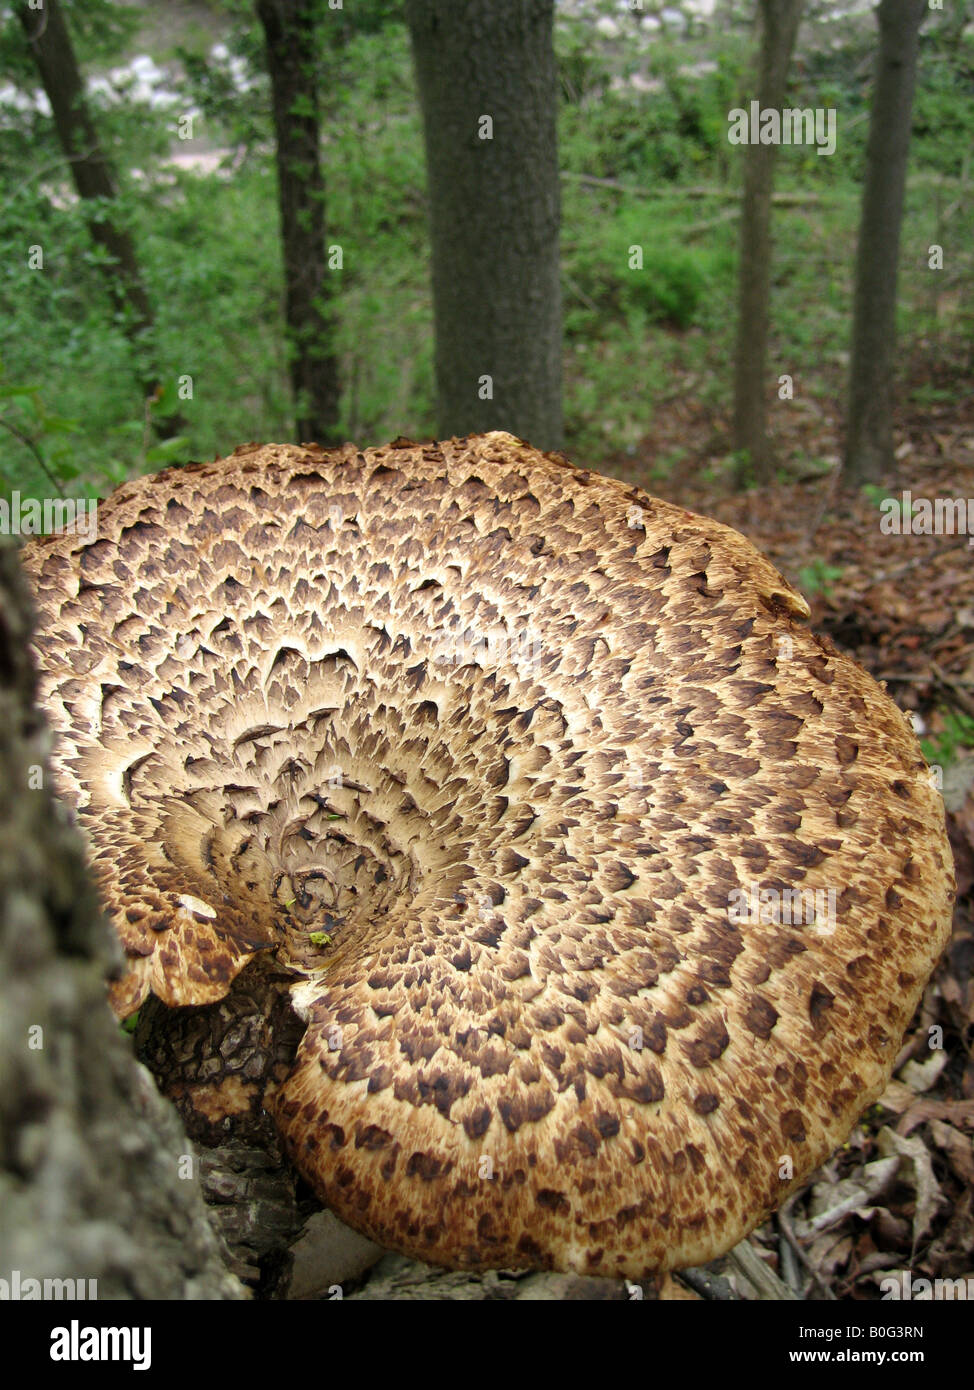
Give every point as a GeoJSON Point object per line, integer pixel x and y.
{"type": "Point", "coordinates": [889, 1231]}
{"type": "Point", "coordinates": [917, 1169]}
{"type": "Point", "coordinates": [920, 1076]}
{"type": "Point", "coordinates": [956, 1112]}
{"type": "Point", "coordinates": [958, 1148]}
{"type": "Point", "coordinates": [897, 1097]}
{"type": "Point", "coordinates": [832, 1201]}
{"type": "Point", "coordinates": [830, 1252]}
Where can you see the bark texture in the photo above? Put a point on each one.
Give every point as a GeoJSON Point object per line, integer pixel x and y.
{"type": "Point", "coordinates": [869, 437]}
{"type": "Point", "coordinates": [50, 43]}
{"type": "Point", "coordinates": [779, 29]}
{"type": "Point", "coordinates": [290, 45]}
{"type": "Point", "coordinates": [90, 1153]}
{"type": "Point", "coordinates": [494, 213]}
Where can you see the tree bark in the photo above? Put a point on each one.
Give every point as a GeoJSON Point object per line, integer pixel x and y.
{"type": "Point", "coordinates": [780, 20]}
{"type": "Point", "coordinates": [869, 437]}
{"type": "Point", "coordinates": [92, 1159]}
{"type": "Point", "coordinates": [494, 212]}
{"type": "Point", "coordinates": [94, 178]}
{"type": "Point", "coordinates": [290, 45]}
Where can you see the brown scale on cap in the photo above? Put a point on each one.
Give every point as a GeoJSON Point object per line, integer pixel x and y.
{"type": "Point", "coordinates": [512, 734]}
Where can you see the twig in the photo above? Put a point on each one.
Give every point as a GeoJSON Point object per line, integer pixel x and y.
{"type": "Point", "coordinates": [914, 679]}
{"type": "Point", "coordinates": [26, 439]}
{"type": "Point", "coordinates": [682, 194]}
{"type": "Point", "coordinates": [788, 1231]}
{"type": "Point", "coordinates": [706, 1284]}
{"type": "Point", "coordinates": [580, 294]}
{"type": "Point", "coordinates": [696, 228]}
{"type": "Point", "coordinates": [828, 497]}
{"type": "Point", "coordinates": [961, 696]}
{"type": "Point", "coordinates": [46, 169]}
{"type": "Point", "coordinates": [791, 1270]}
{"type": "Point", "coordinates": [760, 1276]}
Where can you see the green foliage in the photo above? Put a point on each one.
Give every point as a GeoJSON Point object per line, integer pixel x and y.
{"type": "Point", "coordinates": [957, 732]}
{"type": "Point", "coordinates": [37, 441]}
{"type": "Point", "coordinates": [101, 32]}
{"type": "Point", "coordinates": [209, 244]}
{"type": "Point", "coordinates": [875, 493]}
{"type": "Point", "coordinates": [818, 577]}
{"type": "Point", "coordinates": [943, 107]}
{"type": "Point", "coordinates": [605, 280]}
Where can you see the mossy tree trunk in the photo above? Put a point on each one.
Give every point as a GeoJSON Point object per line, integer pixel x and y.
{"type": "Point", "coordinates": [290, 40]}
{"type": "Point", "coordinates": [869, 435]}
{"type": "Point", "coordinates": [50, 43]}
{"type": "Point", "coordinates": [779, 20]}
{"type": "Point", "coordinates": [487, 85]}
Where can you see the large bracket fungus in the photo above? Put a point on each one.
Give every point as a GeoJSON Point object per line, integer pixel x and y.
{"type": "Point", "coordinates": [486, 752]}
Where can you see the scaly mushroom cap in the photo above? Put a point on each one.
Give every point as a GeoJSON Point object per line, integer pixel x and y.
{"type": "Point", "coordinates": [522, 740]}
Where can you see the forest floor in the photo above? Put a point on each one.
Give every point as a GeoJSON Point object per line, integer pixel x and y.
{"type": "Point", "coordinates": [899, 1197]}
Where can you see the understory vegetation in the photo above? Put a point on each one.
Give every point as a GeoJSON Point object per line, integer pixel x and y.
{"type": "Point", "coordinates": [645, 165]}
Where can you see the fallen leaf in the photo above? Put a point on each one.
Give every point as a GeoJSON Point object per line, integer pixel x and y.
{"type": "Point", "coordinates": [832, 1201]}
{"type": "Point", "coordinates": [829, 1253]}
{"type": "Point", "coordinates": [956, 1112]}
{"type": "Point", "coordinates": [897, 1098]}
{"type": "Point", "coordinates": [920, 1076]}
{"type": "Point", "coordinates": [958, 1148]}
{"type": "Point", "coordinates": [916, 1169]}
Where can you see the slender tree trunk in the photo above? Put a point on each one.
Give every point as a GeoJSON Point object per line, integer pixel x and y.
{"type": "Point", "coordinates": [779, 29]}
{"type": "Point", "coordinates": [94, 178]}
{"type": "Point", "coordinates": [869, 438]}
{"type": "Point", "coordinates": [487, 85]}
{"type": "Point", "coordinates": [290, 43]}
{"type": "Point", "coordinates": [93, 1162]}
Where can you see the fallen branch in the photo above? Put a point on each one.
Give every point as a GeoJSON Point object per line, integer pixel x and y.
{"type": "Point", "coordinates": [683, 194]}
{"type": "Point", "coordinates": [760, 1276]}
{"type": "Point", "coordinates": [914, 679]}
{"type": "Point", "coordinates": [696, 228]}
{"type": "Point", "coordinates": [788, 1231]}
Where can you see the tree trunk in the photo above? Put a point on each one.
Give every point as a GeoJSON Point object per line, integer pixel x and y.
{"type": "Point", "coordinates": [57, 67]}
{"type": "Point", "coordinates": [92, 1159]}
{"type": "Point", "coordinates": [779, 24]}
{"type": "Point", "coordinates": [290, 44]}
{"type": "Point", "coordinates": [869, 438]}
{"type": "Point", "coordinates": [487, 85]}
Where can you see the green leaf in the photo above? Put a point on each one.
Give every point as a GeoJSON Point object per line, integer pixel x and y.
{"type": "Point", "coordinates": [59, 424]}
{"type": "Point", "coordinates": [27, 404]}
{"type": "Point", "coordinates": [167, 402]}
{"type": "Point", "coordinates": [168, 450]}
